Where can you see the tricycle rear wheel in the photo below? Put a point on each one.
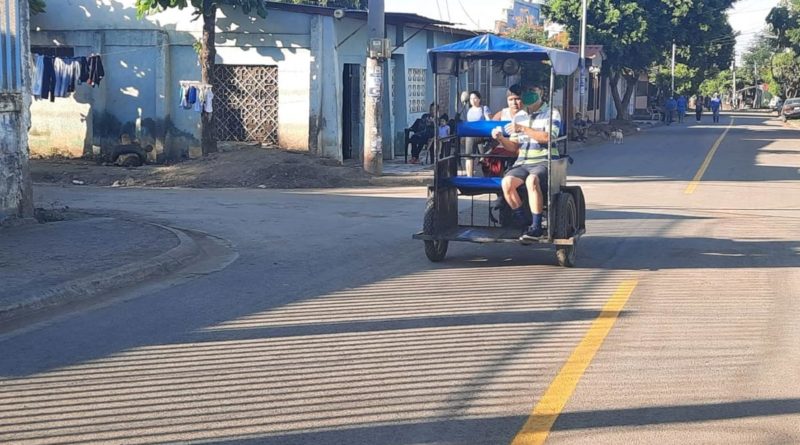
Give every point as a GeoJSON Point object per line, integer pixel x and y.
{"type": "Point", "coordinates": [566, 226]}
{"type": "Point", "coordinates": [435, 250]}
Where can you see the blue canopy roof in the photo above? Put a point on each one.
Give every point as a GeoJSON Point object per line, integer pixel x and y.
{"type": "Point", "coordinates": [490, 46]}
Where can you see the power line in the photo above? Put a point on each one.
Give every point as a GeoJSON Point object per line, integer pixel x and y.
{"type": "Point", "coordinates": [467, 14]}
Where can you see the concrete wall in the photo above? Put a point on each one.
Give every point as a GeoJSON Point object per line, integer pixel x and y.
{"type": "Point", "coordinates": [16, 196]}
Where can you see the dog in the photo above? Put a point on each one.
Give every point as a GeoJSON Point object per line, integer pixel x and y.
{"type": "Point", "coordinates": [617, 136]}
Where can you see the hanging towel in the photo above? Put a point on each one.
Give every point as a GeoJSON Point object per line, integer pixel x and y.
{"type": "Point", "coordinates": [207, 104]}
{"type": "Point", "coordinates": [191, 96]}
{"type": "Point", "coordinates": [201, 97]}
{"type": "Point", "coordinates": [183, 103]}
{"type": "Point", "coordinates": [37, 75]}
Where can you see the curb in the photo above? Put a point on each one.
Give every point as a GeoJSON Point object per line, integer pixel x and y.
{"type": "Point", "coordinates": [89, 286]}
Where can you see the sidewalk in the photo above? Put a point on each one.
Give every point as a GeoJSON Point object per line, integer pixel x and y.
{"type": "Point", "coordinates": [55, 263]}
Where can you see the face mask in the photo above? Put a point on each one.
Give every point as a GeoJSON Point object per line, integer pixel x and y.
{"type": "Point", "coordinates": [530, 98]}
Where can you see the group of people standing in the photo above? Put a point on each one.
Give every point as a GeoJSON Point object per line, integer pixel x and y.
{"type": "Point", "coordinates": [675, 109]}
{"type": "Point", "coordinates": [424, 129]}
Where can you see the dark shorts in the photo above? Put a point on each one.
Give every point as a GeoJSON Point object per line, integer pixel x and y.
{"type": "Point", "coordinates": [523, 171]}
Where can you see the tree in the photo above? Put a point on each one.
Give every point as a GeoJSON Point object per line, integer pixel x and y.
{"type": "Point", "coordinates": [531, 73]}
{"type": "Point", "coordinates": [635, 34]}
{"type": "Point", "coordinates": [716, 84]}
{"type": "Point", "coordinates": [661, 77]}
{"type": "Point", "coordinates": [207, 9]}
{"type": "Point", "coordinates": [784, 22]}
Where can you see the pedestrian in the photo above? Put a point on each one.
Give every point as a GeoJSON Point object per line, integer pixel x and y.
{"type": "Point", "coordinates": [477, 112]}
{"type": "Point", "coordinates": [670, 106]}
{"type": "Point", "coordinates": [715, 104]}
{"type": "Point", "coordinates": [698, 107]}
{"type": "Point", "coordinates": [681, 108]}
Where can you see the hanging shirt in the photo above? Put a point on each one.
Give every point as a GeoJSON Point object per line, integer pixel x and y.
{"type": "Point", "coordinates": [199, 103]}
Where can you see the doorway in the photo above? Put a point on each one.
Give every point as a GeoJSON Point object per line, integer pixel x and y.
{"type": "Point", "coordinates": [351, 111]}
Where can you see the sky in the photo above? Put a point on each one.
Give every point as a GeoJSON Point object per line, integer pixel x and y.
{"type": "Point", "coordinates": [746, 17]}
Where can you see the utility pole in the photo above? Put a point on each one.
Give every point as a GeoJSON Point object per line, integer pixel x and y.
{"type": "Point", "coordinates": [756, 90]}
{"type": "Point", "coordinates": [373, 122]}
{"type": "Point", "coordinates": [582, 80]}
{"type": "Point", "coordinates": [672, 90]}
{"type": "Point", "coordinates": [733, 70]}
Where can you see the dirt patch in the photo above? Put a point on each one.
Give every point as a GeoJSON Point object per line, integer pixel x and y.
{"type": "Point", "coordinates": [238, 166]}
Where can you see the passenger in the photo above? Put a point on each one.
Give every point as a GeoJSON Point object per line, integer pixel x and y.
{"type": "Point", "coordinates": [529, 141]}
{"type": "Point", "coordinates": [423, 132]}
{"type": "Point", "coordinates": [514, 100]}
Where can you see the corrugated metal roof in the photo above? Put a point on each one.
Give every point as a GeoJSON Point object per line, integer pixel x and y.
{"type": "Point", "coordinates": [391, 18]}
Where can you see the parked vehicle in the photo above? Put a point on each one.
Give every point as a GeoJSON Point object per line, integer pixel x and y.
{"type": "Point", "coordinates": [791, 108]}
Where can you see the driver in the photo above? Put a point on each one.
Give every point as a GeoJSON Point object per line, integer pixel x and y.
{"type": "Point", "coordinates": [529, 138]}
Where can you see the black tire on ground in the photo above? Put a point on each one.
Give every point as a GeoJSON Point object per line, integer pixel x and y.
{"type": "Point", "coordinates": [566, 225]}
{"type": "Point", "coordinates": [129, 160]}
{"type": "Point", "coordinates": [435, 250]}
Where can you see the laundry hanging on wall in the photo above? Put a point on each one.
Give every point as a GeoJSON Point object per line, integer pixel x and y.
{"type": "Point", "coordinates": [57, 76]}
{"type": "Point", "coordinates": [196, 96]}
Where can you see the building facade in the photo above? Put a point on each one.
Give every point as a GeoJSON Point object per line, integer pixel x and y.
{"type": "Point", "coordinates": [293, 80]}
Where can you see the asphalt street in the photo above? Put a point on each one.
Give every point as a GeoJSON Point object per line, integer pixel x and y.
{"type": "Point", "coordinates": [681, 323]}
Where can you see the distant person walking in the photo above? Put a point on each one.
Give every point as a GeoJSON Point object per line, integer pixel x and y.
{"type": "Point", "coordinates": [715, 105]}
{"type": "Point", "coordinates": [698, 107]}
{"type": "Point", "coordinates": [670, 106]}
{"type": "Point", "coordinates": [681, 108]}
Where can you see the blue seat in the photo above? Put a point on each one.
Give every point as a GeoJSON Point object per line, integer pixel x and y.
{"type": "Point", "coordinates": [469, 185]}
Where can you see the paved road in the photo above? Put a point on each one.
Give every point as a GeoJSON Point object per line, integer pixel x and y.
{"type": "Point", "coordinates": [679, 326]}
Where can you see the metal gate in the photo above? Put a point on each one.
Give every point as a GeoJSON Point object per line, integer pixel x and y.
{"type": "Point", "coordinates": [246, 103]}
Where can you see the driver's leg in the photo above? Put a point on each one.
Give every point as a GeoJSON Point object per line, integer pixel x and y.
{"type": "Point", "coordinates": [535, 183]}
{"type": "Point", "coordinates": [510, 184]}
{"type": "Point", "coordinates": [534, 194]}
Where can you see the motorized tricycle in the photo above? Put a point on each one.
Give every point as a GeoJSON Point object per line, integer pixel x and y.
{"type": "Point", "coordinates": [446, 219]}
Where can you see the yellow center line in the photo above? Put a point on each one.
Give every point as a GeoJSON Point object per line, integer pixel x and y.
{"type": "Point", "coordinates": [545, 413]}
{"type": "Point", "coordinates": [704, 166]}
